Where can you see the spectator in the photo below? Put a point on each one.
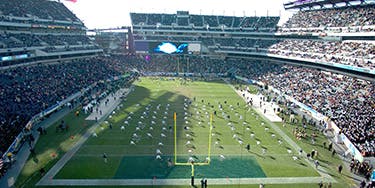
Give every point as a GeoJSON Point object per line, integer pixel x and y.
{"type": "Point", "coordinates": [334, 17]}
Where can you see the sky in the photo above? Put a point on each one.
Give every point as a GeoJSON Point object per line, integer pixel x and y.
{"type": "Point", "coordinates": [115, 13]}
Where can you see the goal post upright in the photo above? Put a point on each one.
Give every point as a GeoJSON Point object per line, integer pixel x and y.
{"type": "Point", "coordinates": [209, 140]}
{"type": "Point", "coordinates": [175, 138]}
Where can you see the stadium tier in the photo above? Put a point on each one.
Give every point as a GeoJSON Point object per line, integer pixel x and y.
{"type": "Point", "coordinates": [353, 53]}
{"type": "Point", "coordinates": [37, 9]}
{"type": "Point", "coordinates": [334, 17]}
{"type": "Point", "coordinates": [203, 21]}
{"type": "Point", "coordinates": [358, 53]}
{"type": "Point", "coordinates": [10, 40]}
{"type": "Point", "coordinates": [40, 30]}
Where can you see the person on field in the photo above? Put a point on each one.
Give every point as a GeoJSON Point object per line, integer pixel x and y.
{"type": "Point", "coordinates": [105, 157]}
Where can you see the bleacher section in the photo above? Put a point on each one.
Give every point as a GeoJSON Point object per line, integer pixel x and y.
{"type": "Point", "coordinates": [38, 46]}
{"type": "Point", "coordinates": [352, 18]}
{"type": "Point", "coordinates": [241, 42]}
{"type": "Point", "coordinates": [40, 32]}
{"type": "Point", "coordinates": [37, 9]}
{"type": "Point", "coordinates": [337, 17]}
{"type": "Point", "coordinates": [345, 39]}
{"type": "Point", "coordinates": [358, 53]}
{"type": "Point", "coordinates": [21, 40]}
{"type": "Point", "coordinates": [203, 21]}
{"type": "Point", "coordinates": [28, 90]}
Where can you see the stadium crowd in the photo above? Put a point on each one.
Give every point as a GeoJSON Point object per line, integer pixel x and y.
{"type": "Point", "coordinates": [191, 64]}
{"type": "Point", "coordinates": [348, 101]}
{"type": "Point", "coordinates": [337, 17]}
{"type": "Point", "coordinates": [243, 42]}
{"type": "Point", "coordinates": [360, 54]}
{"type": "Point", "coordinates": [51, 10]}
{"type": "Point", "coordinates": [21, 40]}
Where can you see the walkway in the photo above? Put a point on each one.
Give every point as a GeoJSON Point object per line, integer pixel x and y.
{"type": "Point", "coordinates": [266, 109]}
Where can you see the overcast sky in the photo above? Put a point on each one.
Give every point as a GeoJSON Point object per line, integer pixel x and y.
{"type": "Point", "coordinates": [115, 13]}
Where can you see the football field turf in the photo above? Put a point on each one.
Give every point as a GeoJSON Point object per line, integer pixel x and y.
{"type": "Point", "coordinates": [147, 116]}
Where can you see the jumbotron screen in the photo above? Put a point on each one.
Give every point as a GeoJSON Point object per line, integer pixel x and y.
{"type": "Point", "coordinates": [168, 47]}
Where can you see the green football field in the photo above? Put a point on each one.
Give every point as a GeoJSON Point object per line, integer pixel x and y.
{"type": "Point", "coordinates": [147, 116]}
{"type": "Point", "coordinates": [231, 165]}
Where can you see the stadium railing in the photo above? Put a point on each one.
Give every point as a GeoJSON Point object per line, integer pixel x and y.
{"type": "Point", "coordinates": [322, 30]}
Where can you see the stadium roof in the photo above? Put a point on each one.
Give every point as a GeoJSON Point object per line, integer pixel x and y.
{"type": "Point", "coordinates": [309, 4]}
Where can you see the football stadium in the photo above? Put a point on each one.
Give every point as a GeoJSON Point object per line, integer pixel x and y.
{"type": "Point", "coordinates": [187, 98]}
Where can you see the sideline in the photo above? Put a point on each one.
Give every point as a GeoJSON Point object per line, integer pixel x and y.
{"type": "Point", "coordinates": [323, 173]}
{"type": "Point", "coordinates": [112, 104]}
